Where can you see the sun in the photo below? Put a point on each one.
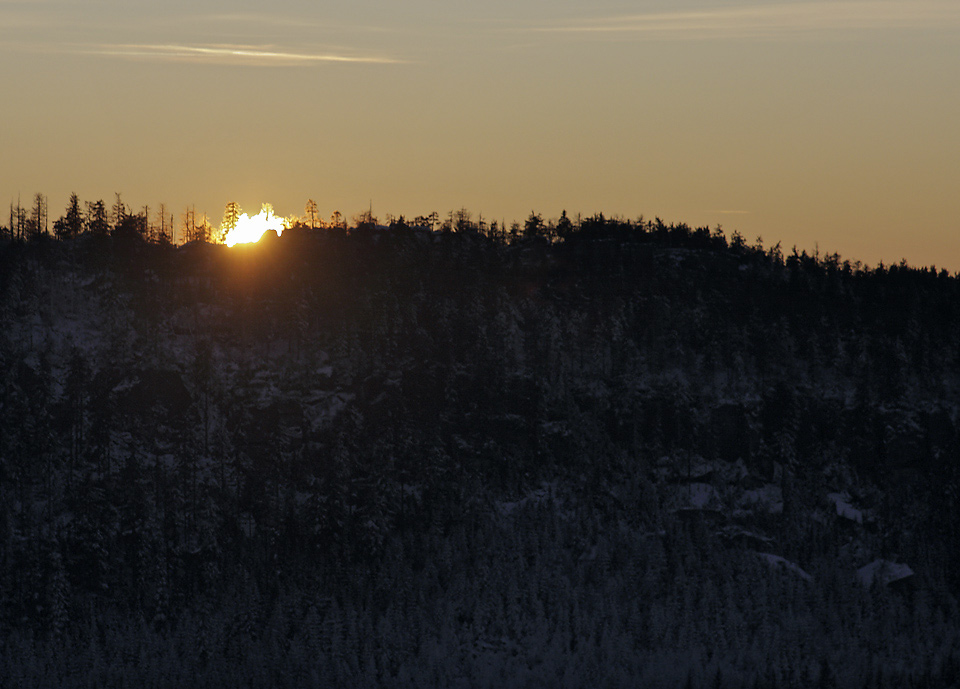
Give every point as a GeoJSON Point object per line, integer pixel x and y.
{"type": "Point", "coordinates": [248, 230]}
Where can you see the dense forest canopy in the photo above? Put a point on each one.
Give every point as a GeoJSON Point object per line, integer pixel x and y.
{"type": "Point", "coordinates": [628, 453]}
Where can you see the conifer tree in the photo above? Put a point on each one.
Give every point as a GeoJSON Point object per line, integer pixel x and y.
{"type": "Point", "coordinates": [118, 212]}
{"type": "Point", "coordinates": [73, 220]}
{"type": "Point", "coordinates": [231, 215]}
{"type": "Point", "coordinates": [38, 216]}
{"type": "Point", "coordinates": [165, 227]}
{"type": "Point", "coordinates": [96, 218]}
{"type": "Point", "coordinates": [312, 213]}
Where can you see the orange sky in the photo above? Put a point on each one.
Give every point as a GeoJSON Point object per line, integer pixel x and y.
{"type": "Point", "coordinates": [809, 123]}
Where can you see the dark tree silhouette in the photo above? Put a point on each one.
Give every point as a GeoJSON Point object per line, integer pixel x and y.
{"type": "Point", "coordinates": [70, 225]}
{"type": "Point", "coordinates": [533, 226]}
{"type": "Point", "coordinates": [312, 213]}
{"type": "Point", "coordinates": [96, 218]}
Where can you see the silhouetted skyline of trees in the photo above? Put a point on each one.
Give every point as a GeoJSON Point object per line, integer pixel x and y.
{"type": "Point", "coordinates": [99, 220]}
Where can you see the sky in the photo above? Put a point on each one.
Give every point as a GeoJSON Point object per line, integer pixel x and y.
{"type": "Point", "coordinates": [832, 126]}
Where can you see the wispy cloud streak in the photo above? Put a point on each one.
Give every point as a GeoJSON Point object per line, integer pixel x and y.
{"type": "Point", "coordinates": [771, 21]}
{"type": "Point", "coordinates": [273, 20]}
{"type": "Point", "coordinates": [241, 55]}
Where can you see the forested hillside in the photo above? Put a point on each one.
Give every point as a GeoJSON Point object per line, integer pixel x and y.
{"type": "Point", "coordinates": [636, 455]}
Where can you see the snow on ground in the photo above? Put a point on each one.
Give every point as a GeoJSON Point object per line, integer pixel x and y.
{"type": "Point", "coordinates": [884, 572]}
{"type": "Point", "coordinates": [322, 407]}
{"type": "Point", "coordinates": [703, 495]}
{"type": "Point", "coordinates": [778, 562]}
{"type": "Point", "coordinates": [542, 494]}
{"type": "Point", "coordinates": [696, 496]}
{"type": "Point", "coordinates": [736, 533]}
{"type": "Point", "coordinates": [768, 498]}
{"type": "Point", "coordinates": [844, 509]}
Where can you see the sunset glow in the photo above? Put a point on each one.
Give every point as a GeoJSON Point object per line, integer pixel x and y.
{"type": "Point", "coordinates": [829, 125]}
{"type": "Point", "coordinates": [250, 230]}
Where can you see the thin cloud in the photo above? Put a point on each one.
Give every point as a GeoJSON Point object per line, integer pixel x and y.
{"type": "Point", "coordinates": [240, 55]}
{"type": "Point", "coordinates": [260, 20]}
{"type": "Point", "coordinates": [770, 21]}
